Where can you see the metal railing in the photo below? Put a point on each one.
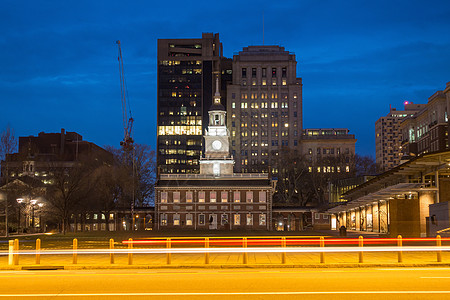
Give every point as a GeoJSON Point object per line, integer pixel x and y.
{"type": "Point", "coordinates": [237, 245]}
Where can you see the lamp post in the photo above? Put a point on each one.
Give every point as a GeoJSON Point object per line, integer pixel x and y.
{"type": "Point", "coordinates": [19, 201]}
{"type": "Point", "coordinates": [32, 204]}
{"type": "Point", "coordinates": [29, 204]}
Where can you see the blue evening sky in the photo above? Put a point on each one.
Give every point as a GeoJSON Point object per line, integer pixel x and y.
{"type": "Point", "coordinates": [59, 64]}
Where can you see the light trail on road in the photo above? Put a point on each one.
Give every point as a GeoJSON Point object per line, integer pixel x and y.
{"type": "Point", "coordinates": [234, 250]}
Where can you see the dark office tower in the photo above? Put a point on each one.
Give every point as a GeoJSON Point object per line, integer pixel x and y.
{"type": "Point", "coordinates": [264, 107]}
{"type": "Point", "coordinates": [186, 80]}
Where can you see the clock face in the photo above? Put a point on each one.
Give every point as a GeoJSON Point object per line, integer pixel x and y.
{"type": "Point", "coordinates": [217, 145]}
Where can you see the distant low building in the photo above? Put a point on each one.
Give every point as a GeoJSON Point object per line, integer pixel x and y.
{"type": "Point", "coordinates": [321, 146]}
{"type": "Point", "coordinates": [38, 154]}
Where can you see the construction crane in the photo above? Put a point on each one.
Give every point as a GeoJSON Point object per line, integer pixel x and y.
{"type": "Point", "coordinates": [127, 143]}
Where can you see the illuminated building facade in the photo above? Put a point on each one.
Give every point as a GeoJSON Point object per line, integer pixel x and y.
{"type": "Point", "coordinates": [264, 107]}
{"type": "Point", "coordinates": [388, 136]}
{"type": "Point", "coordinates": [399, 200]}
{"type": "Point", "coordinates": [427, 130]}
{"type": "Point", "coordinates": [328, 149]}
{"type": "Point", "coordinates": [217, 198]}
{"type": "Point", "coordinates": [186, 68]}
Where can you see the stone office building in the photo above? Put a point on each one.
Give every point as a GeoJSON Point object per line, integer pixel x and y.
{"type": "Point", "coordinates": [388, 135]}
{"type": "Point", "coordinates": [264, 105]}
{"type": "Point", "coordinates": [216, 198]}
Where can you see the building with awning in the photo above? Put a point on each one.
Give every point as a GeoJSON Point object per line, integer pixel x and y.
{"type": "Point", "coordinates": [397, 201]}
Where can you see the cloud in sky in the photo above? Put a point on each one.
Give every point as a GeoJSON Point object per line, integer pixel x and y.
{"type": "Point", "coordinates": [59, 59]}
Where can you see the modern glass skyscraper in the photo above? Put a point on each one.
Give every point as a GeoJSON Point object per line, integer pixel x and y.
{"type": "Point", "coordinates": [186, 72]}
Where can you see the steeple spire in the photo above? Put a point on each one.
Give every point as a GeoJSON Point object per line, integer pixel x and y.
{"type": "Point", "coordinates": [217, 94]}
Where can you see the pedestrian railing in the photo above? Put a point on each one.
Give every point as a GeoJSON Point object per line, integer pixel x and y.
{"type": "Point", "coordinates": [241, 246]}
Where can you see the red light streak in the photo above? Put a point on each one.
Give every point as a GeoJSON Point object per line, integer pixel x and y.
{"type": "Point", "coordinates": [277, 241]}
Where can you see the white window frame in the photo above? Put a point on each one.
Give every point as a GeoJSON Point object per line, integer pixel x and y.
{"type": "Point", "coordinates": [238, 198]}
{"type": "Point", "coordinates": [247, 198]}
{"type": "Point", "coordinates": [189, 220]}
{"type": "Point", "coordinates": [200, 218]}
{"type": "Point", "coordinates": [211, 198]}
{"type": "Point", "coordinates": [236, 219]}
{"type": "Point", "coordinates": [163, 220]}
{"type": "Point", "coordinates": [201, 196]}
{"type": "Point", "coordinates": [224, 196]}
{"type": "Point", "coordinates": [249, 219]}
{"type": "Point", "coordinates": [262, 197]}
{"type": "Point", "coordinates": [164, 197]}
{"type": "Point", "coordinates": [222, 219]}
{"type": "Point", "coordinates": [262, 219]}
{"type": "Point", "coordinates": [176, 197]}
{"type": "Point", "coordinates": [189, 197]}
{"type": "Point", "coordinates": [176, 220]}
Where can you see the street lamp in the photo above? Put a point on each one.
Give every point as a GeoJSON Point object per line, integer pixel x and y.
{"type": "Point", "coordinates": [28, 204]}
{"type": "Point", "coordinates": [19, 201]}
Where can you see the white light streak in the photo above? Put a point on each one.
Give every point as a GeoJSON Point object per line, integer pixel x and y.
{"type": "Point", "coordinates": [236, 250]}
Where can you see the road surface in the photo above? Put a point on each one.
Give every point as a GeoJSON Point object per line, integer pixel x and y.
{"type": "Point", "coordinates": [269, 283]}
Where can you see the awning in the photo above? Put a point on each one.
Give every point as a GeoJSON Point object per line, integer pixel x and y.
{"type": "Point", "coordinates": [383, 194]}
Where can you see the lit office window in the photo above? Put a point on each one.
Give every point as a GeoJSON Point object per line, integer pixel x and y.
{"type": "Point", "coordinates": [224, 196]}
{"type": "Point", "coordinates": [189, 197]}
{"type": "Point", "coordinates": [237, 196]}
{"type": "Point", "coordinates": [212, 197]}
{"type": "Point", "coordinates": [176, 197]}
{"type": "Point", "coordinates": [189, 220]}
{"type": "Point", "coordinates": [237, 219]}
{"type": "Point", "coordinates": [249, 196]}
{"type": "Point", "coordinates": [262, 219]}
{"type": "Point", "coordinates": [176, 220]}
{"type": "Point", "coordinates": [163, 197]}
{"type": "Point", "coordinates": [249, 219]}
{"type": "Point", "coordinates": [201, 197]}
{"type": "Point", "coordinates": [262, 197]}
{"type": "Point", "coordinates": [163, 219]}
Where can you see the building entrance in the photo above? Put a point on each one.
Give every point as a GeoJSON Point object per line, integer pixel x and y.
{"type": "Point", "coordinates": [213, 221]}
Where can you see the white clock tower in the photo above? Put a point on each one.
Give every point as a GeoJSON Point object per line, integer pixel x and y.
{"type": "Point", "coordinates": [217, 160]}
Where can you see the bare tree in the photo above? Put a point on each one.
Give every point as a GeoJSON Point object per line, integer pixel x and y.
{"type": "Point", "coordinates": [303, 180]}
{"type": "Point", "coordinates": [111, 181]}
{"type": "Point", "coordinates": [292, 180]}
{"type": "Point", "coordinates": [8, 144]}
{"type": "Point", "coordinates": [72, 183]}
{"type": "Point", "coordinates": [140, 166]}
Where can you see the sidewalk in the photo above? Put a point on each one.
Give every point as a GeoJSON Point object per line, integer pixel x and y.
{"type": "Point", "coordinates": [219, 260]}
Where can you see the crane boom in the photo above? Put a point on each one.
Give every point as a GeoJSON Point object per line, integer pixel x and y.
{"type": "Point", "coordinates": [127, 143]}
